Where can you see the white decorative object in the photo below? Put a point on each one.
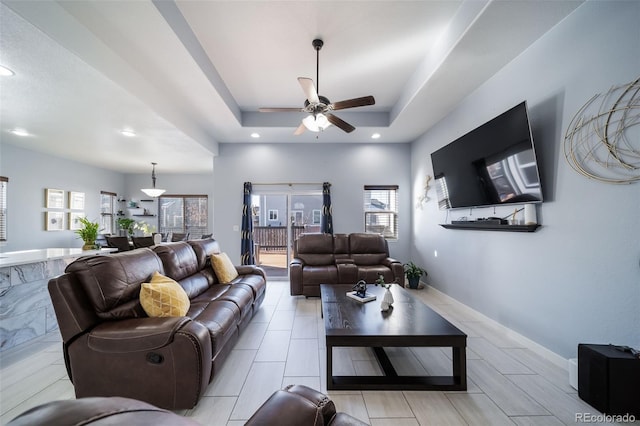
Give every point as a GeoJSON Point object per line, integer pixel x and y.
{"type": "Point", "coordinates": [387, 300]}
{"type": "Point", "coordinates": [530, 214]}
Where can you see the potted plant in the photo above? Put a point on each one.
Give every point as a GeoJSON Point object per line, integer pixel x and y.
{"type": "Point", "coordinates": [88, 233]}
{"type": "Point", "coordinates": [413, 273]}
{"type": "Point", "coordinates": [126, 224]}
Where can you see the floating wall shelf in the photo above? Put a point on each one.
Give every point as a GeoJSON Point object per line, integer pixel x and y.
{"type": "Point", "coordinates": [479, 226]}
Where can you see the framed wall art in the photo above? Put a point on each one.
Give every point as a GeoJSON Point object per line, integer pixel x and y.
{"type": "Point", "coordinates": [76, 200]}
{"type": "Point", "coordinates": [54, 198]}
{"type": "Point", "coordinates": [74, 220]}
{"type": "Point", "coordinates": [54, 221]}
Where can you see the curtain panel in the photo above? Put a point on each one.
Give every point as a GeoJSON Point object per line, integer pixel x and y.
{"type": "Point", "coordinates": [326, 225]}
{"type": "Point", "coordinates": [246, 236]}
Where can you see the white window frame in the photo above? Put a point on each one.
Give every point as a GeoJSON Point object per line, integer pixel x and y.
{"type": "Point", "coordinates": [381, 216]}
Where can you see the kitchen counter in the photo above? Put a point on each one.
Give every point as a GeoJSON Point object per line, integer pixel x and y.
{"type": "Point", "coordinates": [25, 306]}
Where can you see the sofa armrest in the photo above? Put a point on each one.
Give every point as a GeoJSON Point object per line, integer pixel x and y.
{"type": "Point", "coordinates": [296, 405]}
{"type": "Point", "coordinates": [133, 335]}
{"type": "Point", "coordinates": [397, 268]}
{"type": "Point", "coordinates": [389, 261]}
{"type": "Point", "coordinates": [249, 270]}
{"type": "Point", "coordinates": [295, 276]}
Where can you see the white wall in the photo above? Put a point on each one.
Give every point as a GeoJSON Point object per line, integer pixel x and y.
{"type": "Point", "coordinates": [348, 167]}
{"type": "Point", "coordinates": [29, 174]}
{"type": "Point", "coordinates": [577, 279]}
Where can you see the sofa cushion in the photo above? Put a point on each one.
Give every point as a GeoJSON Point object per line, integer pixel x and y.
{"type": "Point", "coordinates": [112, 283]}
{"type": "Point", "coordinates": [315, 249]}
{"type": "Point", "coordinates": [223, 267]}
{"type": "Point", "coordinates": [163, 297]}
{"type": "Point", "coordinates": [178, 258]}
{"type": "Point", "coordinates": [368, 249]}
{"type": "Point", "coordinates": [203, 250]}
{"type": "Point", "coordinates": [220, 317]}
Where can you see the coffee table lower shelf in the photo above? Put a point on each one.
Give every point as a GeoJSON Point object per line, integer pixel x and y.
{"type": "Point", "coordinates": [392, 381]}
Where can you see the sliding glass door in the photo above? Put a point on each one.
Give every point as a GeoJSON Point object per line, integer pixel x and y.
{"type": "Point", "coordinates": [278, 219]}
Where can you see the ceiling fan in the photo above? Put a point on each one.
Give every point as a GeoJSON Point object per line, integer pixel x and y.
{"type": "Point", "coordinates": [319, 107]}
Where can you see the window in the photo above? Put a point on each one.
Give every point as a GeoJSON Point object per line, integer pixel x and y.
{"type": "Point", "coordinates": [273, 214]}
{"type": "Point", "coordinates": [317, 216]}
{"type": "Point", "coordinates": [107, 212]}
{"type": "Point", "coordinates": [4, 182]}
{"type": "Point", "coordinates": [184, 214]}
{"type": "Point", "coordinates": [381, 210]}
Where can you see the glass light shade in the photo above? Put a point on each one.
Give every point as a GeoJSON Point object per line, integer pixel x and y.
{"type": "Point", "coordinates": [153, 192]}
{"type": "Point", "coordinates": [316, 123]}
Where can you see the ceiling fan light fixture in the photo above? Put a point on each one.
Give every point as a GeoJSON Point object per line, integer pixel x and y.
{"type": "Point", "coordinates": [153, 192]}
{"type": "Point", "coordinates": [316, 123]}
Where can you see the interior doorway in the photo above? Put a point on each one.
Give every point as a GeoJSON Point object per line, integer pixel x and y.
{"type": "Point", "coordinates": [278, 219]}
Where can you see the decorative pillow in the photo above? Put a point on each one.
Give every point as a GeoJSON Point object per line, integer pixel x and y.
{"type": "Point", "coordinates": [223, 267]}
{"type": "Point", "coordinates": [163, 297]}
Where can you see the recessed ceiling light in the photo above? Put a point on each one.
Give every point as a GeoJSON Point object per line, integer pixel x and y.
{"type": "Point", "coordinates": [128, 133]}
{"type": "Point", "coordinates": [375, 136]}
{"type": "Point", "coordinates": [255, 135]}
{"type": "Point", "coordinates": [19, 132]}
{"type": "Point", "coordinates": [6, 72]}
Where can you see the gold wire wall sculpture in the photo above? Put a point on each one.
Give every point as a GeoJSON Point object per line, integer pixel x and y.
{"type": "Point", "coordinates": [600, 142]}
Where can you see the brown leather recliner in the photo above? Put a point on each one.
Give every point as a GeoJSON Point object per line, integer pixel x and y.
{"type": "Point", "coordinates": [340, 259]}
{"type": "Point", "coordinates": [112, 348]}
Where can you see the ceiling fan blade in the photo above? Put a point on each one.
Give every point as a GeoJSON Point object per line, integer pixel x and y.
{"type": "Point", "coordinates": [309, 89]}
{"type": "Point", "coordinates": [281, 109]}
{"type": "Point", "coordinates": [300, 130]}
{"type": "Point", "coordinates": [355, 102]}
{"type": "Point", "coordinates": [338, 122]}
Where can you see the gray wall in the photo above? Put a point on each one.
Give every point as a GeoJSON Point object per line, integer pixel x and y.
{"type": "Point", "coordinates": [577, 279]}
{"type": "Point", "coordinates": [348, 167]}
{"type": "Point", "coordinates": [174, 184]}
{"type": "Point", "coordinates": [29, 174]}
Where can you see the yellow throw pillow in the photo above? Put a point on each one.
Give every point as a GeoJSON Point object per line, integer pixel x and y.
{"type": "Point", "coordinates": [224, 269]}
{"type": "Point", "coordinates": [163, 297]}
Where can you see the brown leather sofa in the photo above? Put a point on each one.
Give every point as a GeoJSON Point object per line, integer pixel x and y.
{"type": "Point", "coordinates": [112, 348]}
{"type": "Point", "coordinates": [295, 405]}
{"type": "Point", "coordinates": [340, 259]}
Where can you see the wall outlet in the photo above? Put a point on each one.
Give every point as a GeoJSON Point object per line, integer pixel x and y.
{"type": "Point", "coordinates": [236, 228]}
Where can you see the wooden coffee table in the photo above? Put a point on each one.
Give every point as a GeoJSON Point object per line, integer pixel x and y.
{"type": "Point", "coordinates": [410, 323]}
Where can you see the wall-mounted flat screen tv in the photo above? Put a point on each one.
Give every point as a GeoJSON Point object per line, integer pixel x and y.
{"type": "Point", "coordinates": [492, 165]}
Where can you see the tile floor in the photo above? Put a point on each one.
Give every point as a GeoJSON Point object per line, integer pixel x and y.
{"type": "Point", "coordinates": [507, 383]}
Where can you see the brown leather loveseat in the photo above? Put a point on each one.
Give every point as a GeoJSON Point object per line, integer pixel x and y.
{"type": "Point", "coordinates": [340, 259]}
{"type": "Point", "coordinates": [112, 348]}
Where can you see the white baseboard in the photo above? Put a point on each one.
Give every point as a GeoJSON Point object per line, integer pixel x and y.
{"type": "Point", "coordinates": [525, 341]}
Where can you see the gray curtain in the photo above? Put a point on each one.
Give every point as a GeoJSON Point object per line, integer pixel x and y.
{"type": "Point", "coordinates": [246, 237]}
{"type": "Point", "coordinates": [326, 225]}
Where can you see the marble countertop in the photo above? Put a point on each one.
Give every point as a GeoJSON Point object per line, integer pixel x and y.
{"type": "Point", "coordinates": [22, 257]}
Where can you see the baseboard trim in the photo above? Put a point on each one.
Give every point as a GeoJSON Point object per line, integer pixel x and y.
{"type": "Point", "coordinates": [535, 347]}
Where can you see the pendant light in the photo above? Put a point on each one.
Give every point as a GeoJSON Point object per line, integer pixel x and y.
{"type": "Point", "coordinates": [153, 192]}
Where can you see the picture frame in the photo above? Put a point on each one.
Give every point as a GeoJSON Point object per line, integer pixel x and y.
{"type": "Point", "coordinates": [76, 200]}
{"type": "Point", "coordinates": [54, 198]}
{"type": "Point", "coordinates": [74, 220]}
{"type": "Point", "coordinates": [54, 221]}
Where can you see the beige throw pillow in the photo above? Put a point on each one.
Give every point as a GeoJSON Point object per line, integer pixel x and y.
{"type": "Point", "coordinates": [223, 267]}
{"type": "Point", "coordinates": [163, 297]}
